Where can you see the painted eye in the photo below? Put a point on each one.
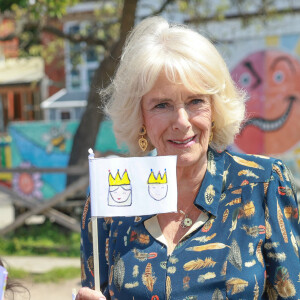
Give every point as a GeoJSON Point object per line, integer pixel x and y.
{"type": "Point", "coordinates": [278, 76]}
{"type": "Point", "coordinates": [245, 79]}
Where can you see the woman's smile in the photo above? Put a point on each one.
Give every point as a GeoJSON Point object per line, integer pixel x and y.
{"type": "Point", "coordinates": [188, 142]}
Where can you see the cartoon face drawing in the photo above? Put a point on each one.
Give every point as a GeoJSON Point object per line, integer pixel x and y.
{"type": "Point", "coordinates": [158, 191]}
{"type": "Point", "coordinates": [157, 186]}
{"type": "Point", "coordinates": [120, 191]}
{"type": "Point", "coordinates": [270, 78]}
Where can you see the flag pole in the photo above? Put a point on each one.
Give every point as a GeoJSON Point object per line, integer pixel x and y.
{"type": "Point", "coordinates": [96, 253]}
{"type": "Point", "coordinates": [95, 239]}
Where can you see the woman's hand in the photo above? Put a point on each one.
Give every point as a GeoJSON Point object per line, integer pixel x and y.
{"type": "Point", "coordinates": [89, 294]}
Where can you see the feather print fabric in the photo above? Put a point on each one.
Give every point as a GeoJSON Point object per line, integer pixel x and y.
{"type": "Point", "coordinates": [199, 264]}
{"type": "Point", "coordinates": [248, 247]}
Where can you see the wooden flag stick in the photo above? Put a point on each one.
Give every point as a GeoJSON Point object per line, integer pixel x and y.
{"type": "Point", "coordinates": [96, 253]}
{"type": "Point", "coordinates": [95, 239]}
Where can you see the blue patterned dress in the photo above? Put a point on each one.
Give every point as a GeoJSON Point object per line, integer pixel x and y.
{"type": "Point", "coordinates": [244, 244]}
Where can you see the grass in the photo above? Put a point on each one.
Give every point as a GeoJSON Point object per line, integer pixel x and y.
{"type": "Point", "coordinates": [54, 275]}
{"type": "Point", "coordinates": [17, 273]}
{"type": "Point", "coordinates": [46, 239]}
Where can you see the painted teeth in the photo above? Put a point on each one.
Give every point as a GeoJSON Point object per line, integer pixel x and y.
{"type": "Point", "coordinates": [185, 142]}
{"type": "Point", "coordinates": [271, 125]}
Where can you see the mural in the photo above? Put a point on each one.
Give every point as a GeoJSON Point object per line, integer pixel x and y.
{"type": "Point", "coordinates": [271, 78]}
{"type": "Point", "coordinates": [47, 145]}
{"type": "Point", "coordinates": [267, 68]}
{"type": "Point", "coordinates": [5, 159]}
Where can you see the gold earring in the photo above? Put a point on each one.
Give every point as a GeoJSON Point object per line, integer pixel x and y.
{"type": "Point", "coordinates": [211, 133]}
{"type": "Point", "coordinates": [143, 143]}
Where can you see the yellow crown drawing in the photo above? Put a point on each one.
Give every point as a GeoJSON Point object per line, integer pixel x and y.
{"type": "Point", "coordinates": [152, 179]}
{"type": "Point", "coordinates": [118, 180]}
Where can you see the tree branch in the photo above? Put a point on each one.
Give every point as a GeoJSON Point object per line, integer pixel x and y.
{"type": "Point", "coordinates": [126, 23]}
{"type": "Point", "coordinates": [91, 120]}
{"type": "Point", "coordinates": [159, 10]}
{"type": "Point", "coordinates": [8, 37]}
{"type": "Point", "coordinates": [163, 6]}
{"type": "Point", "coordinates": [75, 38]}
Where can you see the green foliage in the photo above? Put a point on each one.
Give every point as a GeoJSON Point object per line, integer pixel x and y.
{"type": "Point", "coordinates": [202, 9]}
{"type": "Point", "coordinates": [46, 239]}
{"type": "Point", "coordinates": [6, 4]}
{"type": "Point", "coordinates": [58, 274]}
{"type": "Point", "coordinates": [17, 273]}
{"type": "Point", "coordinates": [54, 275]}
{"type": "Point", "coordinates": [35, 17]}
{"type": "Point", "coordinates": [38, 9]}
{"type": "Point", "coordinates": [104, 24]}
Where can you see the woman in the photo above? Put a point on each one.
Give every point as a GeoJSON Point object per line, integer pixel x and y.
{"type": "Point", "coordinates": [237, 219]}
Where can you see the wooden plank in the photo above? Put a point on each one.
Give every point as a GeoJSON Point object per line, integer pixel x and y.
{"type": "Point", "coordinates": [71, 203]}
{"type": "Point", "coordinates": [51, 213]}
{"type": "Point", "coordinates": [70, 170]}
{"type": "Point", "coordinates": [73, 170]}
{"type": "Point", "coordinates": [11, 107]}
{"type": "Point", "coordinates": [71, 190]}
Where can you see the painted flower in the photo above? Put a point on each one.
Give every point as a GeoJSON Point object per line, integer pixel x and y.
{"type": "Point", "coordinates": [27, 184]}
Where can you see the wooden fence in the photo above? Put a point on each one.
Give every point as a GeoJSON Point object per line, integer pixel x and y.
{"type": "Point", "coordinates": [36, 206]}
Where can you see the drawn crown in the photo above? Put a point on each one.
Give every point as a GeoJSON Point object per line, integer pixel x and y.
{"type": "Point", "coordinates": [152, 179]}
{"type": "Point", "coordinates": [118, 180]}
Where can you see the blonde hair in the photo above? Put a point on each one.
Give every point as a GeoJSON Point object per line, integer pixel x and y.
{"type": "Point", "coordinates": [186, 57]}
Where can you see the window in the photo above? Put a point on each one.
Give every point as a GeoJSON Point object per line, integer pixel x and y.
{"type": "Point", "coordinates": [65, 115]}
{"type": "Point", "coordinates": [75, 79]}
{"type": "Point", "coordinates": [91, 54]}
{"type": "Point", "coordinates": [81, 59]}
{"type": "Point", "coordinates": [74, 29]}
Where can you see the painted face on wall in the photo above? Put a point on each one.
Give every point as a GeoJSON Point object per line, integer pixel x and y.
{"type": "Point", "coordinates": [271, 79]}
{"type": "Point", "coordinates": [158, 191]}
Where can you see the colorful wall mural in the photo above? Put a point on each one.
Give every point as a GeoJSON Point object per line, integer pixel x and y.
{"type": "Point", "coordinates": [5, 159]}
{"type": "Point", "coordinates": [271, 77]}
{"type": "Point", "coordinates": [47, 145]}
{"type": "Point", "coordinates": [268, 68]}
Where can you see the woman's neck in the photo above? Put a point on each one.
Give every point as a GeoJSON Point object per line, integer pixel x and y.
{"type": "Point", "coordinates": [189, 180]}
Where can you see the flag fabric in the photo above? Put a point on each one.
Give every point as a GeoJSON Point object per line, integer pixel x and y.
{"type": "Point", "coordinates": [133, 186]}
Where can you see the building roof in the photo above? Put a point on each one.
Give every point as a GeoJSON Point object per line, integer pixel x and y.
{"type": "Point", "coordinates": [65, 98]}
{"type": "Point", "coordinates": [21, 70]}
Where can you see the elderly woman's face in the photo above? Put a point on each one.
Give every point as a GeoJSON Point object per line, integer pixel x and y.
{"type": "Point", "coordinates": [178, 122]}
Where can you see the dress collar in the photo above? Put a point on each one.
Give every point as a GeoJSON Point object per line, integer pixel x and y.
{"type": "Point", "coordinates": [211, 188]}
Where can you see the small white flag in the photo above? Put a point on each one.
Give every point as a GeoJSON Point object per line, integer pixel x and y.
{"type": "Point", "coordinates": [133, 186]}
{"type": "Point", "coordinates": [3, 279]}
